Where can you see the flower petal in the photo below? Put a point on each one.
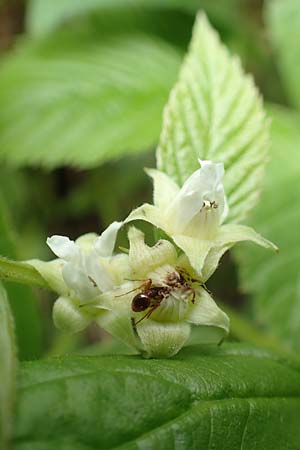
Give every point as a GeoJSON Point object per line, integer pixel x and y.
{"type": "Point", "coordinates": [79, 281]}
{"type": "Point", "coordinates": [86, 241]}
{"type": "Point", "coordinates": [144, 259]}
{"type": "Point", "coordinates": [67, 316]}
{"type": "Point", "coordinates": [206, 312]}
{"type": "Point", "coordinates": [162, 340]}
{"type": "Point", "coordinates": [195, 250]}
{"type": "Point", "coordinates": [64, 248]}
{"type": "Point", "coordinates": [97, 273]}
{"type": "Point", "coordinates": [164, 188]}
{"type": "Point", "coordinates": [205, 184]}
{"type": "Point", "coordinates": [105, 243]}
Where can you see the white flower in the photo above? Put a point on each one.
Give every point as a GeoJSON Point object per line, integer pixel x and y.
{"type": "Point", "coordinates": [176, 300]}
{"type": "Point", "coordinates": [83, 271]}
{"type": "Point", "coordinates": [193, 216]}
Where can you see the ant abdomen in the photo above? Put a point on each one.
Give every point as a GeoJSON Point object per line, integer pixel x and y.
{"type": "Point", "coordinates": [140, 302]}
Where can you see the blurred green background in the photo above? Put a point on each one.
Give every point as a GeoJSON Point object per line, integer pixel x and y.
{"type": "Point", "coordinates": [82, 89]}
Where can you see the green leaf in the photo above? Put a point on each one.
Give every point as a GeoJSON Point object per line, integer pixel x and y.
{"type": "Point", "coordinates": [274, 280]}
{"type": "Point", "coordinates": [283, 22]}
{"type": "Point", "coordinates": [215, 112]}
{"type": "Point", "coordinates": [21, 298]}
{"type": "Point", "coordinates": [235, 397]}
{"type": "Point", "coordinates": [43, 16]}
{"type": "Point", "coordinates": [8, 363]}
{"type": "Point", "coordinates": [82, 99]}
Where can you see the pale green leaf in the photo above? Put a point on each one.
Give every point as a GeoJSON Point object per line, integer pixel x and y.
{"type": "Point", "coordinates": [274, 280]}
{"type": "Point", "coordinates": [231, 398]}
{"type": "Point", "coordinates": [8, 363]}
{"type": "Point", "coordinates": [215, 112]}
{"type": "Point", "coordinates": [75, 99]}
{"type": "Point", "coordinates": [283, 23]}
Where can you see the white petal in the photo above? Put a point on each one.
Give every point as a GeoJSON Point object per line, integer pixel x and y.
{"type": "Point", "coordinates": [164, 188]}
{"type": "Point", "coordinates": [86, 241]}
{"type": "Point", "coordinates": [104, 245]}
{"type": "Point", "coordinates": [77, 280]}
{"type": "Point", "coordinates": [205, 184]}
{"type": "Point", "coordinates": [144, 259]}
{"type": "Point", "coordinates": [64, 248]}
{"type": "Point", "coordinates": [69, 317]}
{"type": "Point", "coordinates": [206, 312]}
{"type": "Point", "coordinates": [97, 272]}
{"type": "Point", "coordinates": [195, 250]}
{"type": "Point", "coordinates": [162, 340]}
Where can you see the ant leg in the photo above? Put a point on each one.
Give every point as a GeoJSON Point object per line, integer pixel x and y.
{"type": "Point", "coordinates": [148, 314]}
{"type": "Point", "coordinates": [193, 296]}
{"type": "Point", "coordinates": [146, 285]}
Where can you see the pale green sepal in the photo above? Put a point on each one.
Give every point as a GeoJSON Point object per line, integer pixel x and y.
{"type": "Point", "coordinates": [206, 312]}
{"type": "Point", "coordinates": [228, 235]}
{"type": "Point", "coordinates": [205, 335]}
{"type": "Point", "coordinates": [196, 250]}
{"type": "Point", "coordinates": [212, 260]}
{"type": "Point", "coordinates": [70, 317]}
{"type": "Point", "coordinates": [164, 188]}
{"type": "Point", "coordinates": [149, 213]}
{"type": "Point", "coordinates": [117, 322]}
{"type": "Point", "coordinates": [232, 233]}
{"type": "Point", "coordinates": [144, 259]}
{"type": "Point", "coordinates": [162, 340]}
{"type": "Point", "coordinates": [51, 271]}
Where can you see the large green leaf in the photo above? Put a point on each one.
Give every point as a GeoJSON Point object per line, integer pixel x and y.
{"type": "Point", "coordinates": [8, 362]}
{"type": "Point", "coordinates": [214, 112]}
{"type": "Point", "coordinates": [274, 281]}
{"type": "Point", "coordinates": [80, 98]}
{"type": "Point", "coordinates": [44, 16]}
{"type": "Point", "coordinates": [283, 21]}
{"type": "Point", "coordinates": [232, 398]}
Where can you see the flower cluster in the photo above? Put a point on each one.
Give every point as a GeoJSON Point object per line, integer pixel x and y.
{"type": "Point", "coordinates": [150, 296]}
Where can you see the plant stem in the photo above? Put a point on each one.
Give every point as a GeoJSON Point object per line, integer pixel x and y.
{"type": "Point", "coordinates": [19, 272]}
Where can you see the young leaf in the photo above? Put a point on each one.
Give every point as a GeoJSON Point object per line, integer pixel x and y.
{"type": "Point", "coordinates": [82, 100]}
{"type": "Point", "coordinates": [283, 22]}
{"type": "Point", "coordinates": [8, 362]}
{"type": "Point", "coordinates": [215, 112]}
{"type": "Point", "coordinates": [235, 397]}
{"type": "Point", "coordinates": [274, 283]}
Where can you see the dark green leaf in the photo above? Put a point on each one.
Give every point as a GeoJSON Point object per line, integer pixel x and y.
{"type": "Point", "coordinates": [21, 298]}
{"type": "Point", "coordinates": [274, 280]}
{"type": "Point", "coordinates": [8, 362]}
{"type": "Point", "coordinates": [232, 398]}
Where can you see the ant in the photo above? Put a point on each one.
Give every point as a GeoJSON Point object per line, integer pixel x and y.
{"type": "Point", "coordinates": [151, 296]}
